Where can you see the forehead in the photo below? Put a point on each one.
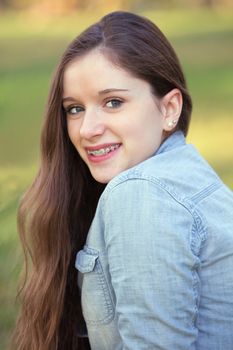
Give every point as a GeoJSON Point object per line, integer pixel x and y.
{"type": "Point", "coordinates": [95, 70]}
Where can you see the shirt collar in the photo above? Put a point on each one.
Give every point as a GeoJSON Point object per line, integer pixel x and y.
{"type": "Point", "coordinates": [174, 140]}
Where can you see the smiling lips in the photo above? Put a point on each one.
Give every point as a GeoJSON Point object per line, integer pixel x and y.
{"type": "Point", "coordinates": [102, 152]}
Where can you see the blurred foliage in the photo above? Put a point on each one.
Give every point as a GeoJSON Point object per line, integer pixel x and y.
{"type": "Point", "coordinates": [30, 47]}
{"type": "Point", "coordinates": [64, 6]}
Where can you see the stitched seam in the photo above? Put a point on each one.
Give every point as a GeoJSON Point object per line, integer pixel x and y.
{"type": "Point", "coordinates": [206, 192]}
{"type": "Point", "coordinates": [196, 296]}
{"type": "Point", "coordinates": [105, 292]}
{"type": "Point", "coordinates": [198, 236]}
{"type": "Point", "coordinates": [106, 295]}
{"type": "Point", "coordinates": [198, 232]}
{"type": "Point", "coordinates": [153, 180]}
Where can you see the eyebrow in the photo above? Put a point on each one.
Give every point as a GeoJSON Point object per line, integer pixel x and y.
{"type": "Point", "coordinates": [106, 91]}
{"type": "Point", "coordinates": [102, 92]}
{"type": "Point", "coordinates": [68, 99]}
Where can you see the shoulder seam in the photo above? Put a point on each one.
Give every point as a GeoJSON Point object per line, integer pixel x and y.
{"type": "Point", "coordinates": [141, 177]}
{"type": "Point", "coordinates": [199, 235]}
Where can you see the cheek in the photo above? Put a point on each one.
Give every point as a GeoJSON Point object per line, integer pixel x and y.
{"type": "Point", "coordinates": [154, 122]}
{"type": "Point", "coordinates": [143, 127]}
{"type": "Point", "coordinates": [148, 132]}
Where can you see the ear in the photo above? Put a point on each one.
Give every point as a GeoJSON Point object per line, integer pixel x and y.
{"type": "Point", "coordinates": [171, 109]}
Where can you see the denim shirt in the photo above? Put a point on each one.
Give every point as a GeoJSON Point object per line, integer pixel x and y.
{"type": "Point", "coordinates": [156, 271]}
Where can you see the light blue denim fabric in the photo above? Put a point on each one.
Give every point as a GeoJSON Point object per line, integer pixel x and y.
{"type": "Point", "coordinates": [156, 272]}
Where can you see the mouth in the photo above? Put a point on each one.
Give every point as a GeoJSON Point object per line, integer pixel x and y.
{"type": "Point", "coordinates": [102, 152]}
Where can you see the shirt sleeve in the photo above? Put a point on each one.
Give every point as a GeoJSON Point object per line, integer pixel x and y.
{"type": "Point", "coordinates": [152, 267]}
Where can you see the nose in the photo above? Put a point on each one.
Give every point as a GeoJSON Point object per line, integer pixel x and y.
{"type": "Point", "coordinates": [92, 125]}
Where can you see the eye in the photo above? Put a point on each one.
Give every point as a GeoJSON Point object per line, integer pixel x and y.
{"type": "Point", "coordinates": [74, 110]}
{"type": "Point", "coordinates": [114, 103]}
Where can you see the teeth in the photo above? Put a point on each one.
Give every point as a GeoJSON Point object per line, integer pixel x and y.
{"type": "Point", "coordinates": [103, 151]}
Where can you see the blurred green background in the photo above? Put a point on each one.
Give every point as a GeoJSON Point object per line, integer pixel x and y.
{"type": "Point", "coordinates": [33, 36]}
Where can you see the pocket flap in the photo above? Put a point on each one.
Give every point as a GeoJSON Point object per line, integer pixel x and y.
{"type": "Point", "coordinates": [85, 262]}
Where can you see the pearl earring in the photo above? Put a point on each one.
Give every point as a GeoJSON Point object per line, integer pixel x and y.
{"type": "Point", "coordinates": [172, 123]}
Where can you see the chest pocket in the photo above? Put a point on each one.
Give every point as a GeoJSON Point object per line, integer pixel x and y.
{"type": "Point", "coordinates": [97, 305]}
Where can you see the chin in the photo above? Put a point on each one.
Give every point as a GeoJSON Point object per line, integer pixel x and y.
{"type": "Point", "coordinates": [102, 178]}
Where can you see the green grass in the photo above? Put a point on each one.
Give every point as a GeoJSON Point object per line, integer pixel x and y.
{"type": "Point", "coordinates": [27, 60]}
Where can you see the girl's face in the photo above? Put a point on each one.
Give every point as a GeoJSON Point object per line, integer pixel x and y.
{"type": "Point", "coordinates": [113, 119]}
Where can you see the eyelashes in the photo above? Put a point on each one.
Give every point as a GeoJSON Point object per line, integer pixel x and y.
{"type": "Point", "coordinates": [73, 110]}
{"type": "Point", "coordinates": [114, 103]}
{"type": "Point", "coordinates": [110, 104]}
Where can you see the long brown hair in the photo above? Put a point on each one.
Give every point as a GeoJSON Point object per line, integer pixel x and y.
{"type": "Point", "coordinates": [56, 212]}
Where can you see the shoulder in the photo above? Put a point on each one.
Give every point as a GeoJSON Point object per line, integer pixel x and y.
{"type": "Point", "coordinates": [176, 177]}
{"type": "Point", "coordinates": [180, 172]}
{"type": "Point", "coordinates": [141, 198]}
{"type": "Point", "coordinates": [139, 212]}
{"type": "Point", "coordinates": [133, 184]}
